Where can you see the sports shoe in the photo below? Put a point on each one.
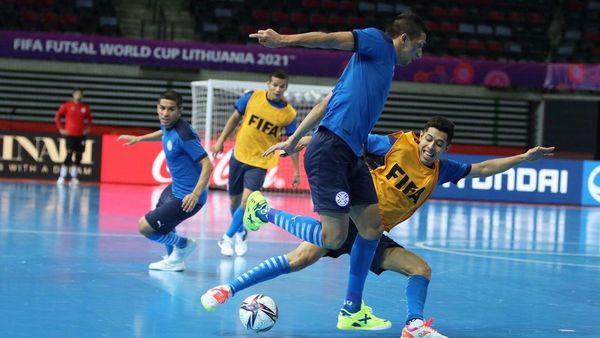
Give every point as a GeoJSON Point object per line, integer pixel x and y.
{"type": "Point", "coordinates": [419, 329]}
{"type": "Point", "coordinates": [178, 255]}
{"type": "Point", "coordinates": [364, 319]}
{"type": "Point", "coordinates": [166, 265]}
{"type": "Point", "coordinates": [226, 245]}
{"type": "Point", "coordinates": [241, 245]}
{"type": "Point", "coordinates": [216, 296]}
{"type": "Point", "coordinates": [74, 181]}
{"type": "Point", "coordinates": [60, 181]}
{"type": "Point", "coordinates": [256, 211]}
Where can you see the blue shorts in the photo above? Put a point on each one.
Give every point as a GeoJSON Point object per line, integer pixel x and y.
{"type": "Point", "coordinates": [384, 243]}
{"type": "Point", "coordinates": [336, 176]}
{"type": "Point", "coordinates": [168, 213]}
{"type": "Point", "coordinates": [242, 176]}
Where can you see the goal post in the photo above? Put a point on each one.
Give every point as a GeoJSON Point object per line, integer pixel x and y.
{"type": "Point", "coordinates": [213, 102]}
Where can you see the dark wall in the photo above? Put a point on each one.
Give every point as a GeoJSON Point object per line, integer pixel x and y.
{"type": "Point", "coordinates": [573, 126]}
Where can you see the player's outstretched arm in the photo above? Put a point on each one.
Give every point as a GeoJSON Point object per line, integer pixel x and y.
{"type": "Point", "coordinates": [131, 140]}
{"type": "Point", "coordinates": [310, 121]}
{"type": "Point", "coordinates": [337, 40]}
{"type": "Point", "coordinates": [498, 165]}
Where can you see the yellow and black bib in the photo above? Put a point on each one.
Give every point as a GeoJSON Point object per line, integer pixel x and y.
{"type": "Point", "coordinates": [403, 183]}
{"type": "Point", "coordinates": [262, 124]}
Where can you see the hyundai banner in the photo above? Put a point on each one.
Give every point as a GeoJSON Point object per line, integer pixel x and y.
{"type": "Point", "coordinates": [547, 181]}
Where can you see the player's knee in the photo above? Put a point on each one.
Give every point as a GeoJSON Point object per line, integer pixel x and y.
{"type": "Point", "coordinates": [144, 228]}
{"type": "Point", "coordinates": [372, 233]}
{"type": "Point", "coordinates": [422, 269]}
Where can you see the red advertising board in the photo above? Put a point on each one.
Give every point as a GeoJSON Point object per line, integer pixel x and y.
{"type": "Point", "coordinates": [144, 163]}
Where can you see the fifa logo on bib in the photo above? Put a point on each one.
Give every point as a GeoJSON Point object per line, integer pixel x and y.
{"type": "Point", "coordinates": [342, 199]}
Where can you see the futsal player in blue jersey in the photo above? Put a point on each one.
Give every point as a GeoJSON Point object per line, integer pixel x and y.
{"type": "Point", "coordinates": [340, 183]}
{"type": "Point", "coordinates": [263, 115]}
{"type": "Point", "coordinates": [190, 169]}
{"type": "Point", "coordinates": [406, 169]}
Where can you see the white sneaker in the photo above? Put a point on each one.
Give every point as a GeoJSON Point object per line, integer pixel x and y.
{"type": "Point", "coordinates": [420, 329]}
{"type": "Point", "coordinates": [60, 181]}
{"type": "Point", "coordinates": [166, 265]}
{"type": "Point", "coordinates": [178, 255]}
{"type": "Point", "coordinates": [226, 245]}
{"type": "Point", "coordinates": [214, 297]}
{"type": "Point", "coordinates": [74, 181]}
{"type": "Point", "coordinates": [241, 245]}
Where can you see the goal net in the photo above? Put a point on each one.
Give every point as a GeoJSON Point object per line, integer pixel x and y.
{"type": "Point", "coordinates": [212, 104]}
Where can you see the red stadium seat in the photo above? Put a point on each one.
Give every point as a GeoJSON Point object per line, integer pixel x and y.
{"type": "Point", "coordinates": [496, 16]}
{"type": "Point", "coordinates": [495, 46]}
{"type": "Point", "coordinates": [433, 26]}
{"type": "Point", "coordinates": [348, 6]}
{"type": "Point", "coordinates": [457, 13]}
{"type": "Point", "coordinates": [449, 27]}
{"type": "Point", "coordinates": [299, 18]}
{"type": "Point", "coordinates": [357, 21]}
{"type": "Point", "coordinates": [439, 12]}
{"type": "Point", "coordinates": [261, 15]}
{"type": "Point", "coordinates": [456, 44]}
{"type": "Point", "coordinates": [475, 45]}
{"type": "Point", "coordinates": [282, 17]}
{"type": "Point", "coordinates": [329, 5]}
{"type": "Point", "coordinates": [318, 19]}
{"type": "Point", "coordinates": [516, 17]}
{"type": "Point", "coordinates": [311, 4]}
{"type": "Point", "coordinates": [338, 21]}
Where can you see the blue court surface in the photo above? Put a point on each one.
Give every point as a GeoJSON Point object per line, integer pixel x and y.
{"type": "Point", "coordinates": [73, 265]}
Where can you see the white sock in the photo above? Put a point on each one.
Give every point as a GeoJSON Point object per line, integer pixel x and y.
{"type": "Point", "coordinates": [415, 323]}
{"type": "Point", "coordinates": [73, 172]}
{"type": "Point", "coordinates": [63, 171]}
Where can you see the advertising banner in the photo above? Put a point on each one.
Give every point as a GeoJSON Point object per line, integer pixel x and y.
{"type": "Point", "coordinates": [255, 58]}
{"type": "Point", "coordinates": [40, 155]}
{"type": "Point", "coordinates": [590, 190]}
{"type": "Point", "coordinates": [144, 163]}
{"type": "Point", "coordinates": [547, 181]}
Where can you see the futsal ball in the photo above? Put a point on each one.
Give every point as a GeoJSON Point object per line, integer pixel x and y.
{"type": "Point", "coordinates": [258, 313]}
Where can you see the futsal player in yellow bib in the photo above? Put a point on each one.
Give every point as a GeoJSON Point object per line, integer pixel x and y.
{"type": "Point", "coordinates": [263, 116]}
{"type": "Point", "coordinates": [405, 168]}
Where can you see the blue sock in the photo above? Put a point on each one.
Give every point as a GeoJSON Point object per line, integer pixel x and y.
{"type": "Point", "coordinates": [416, 292]}
{"type": "Point", "coordinates": [266, 270]}
{"type": "Point", "coordinates": [303, 227]}
{"type": "Point", "coordinates": [169, 239]}
{"type": "Point", "coordinates": [233, 209]}
{"type": "Point", "coordinates": [236, 222]}
{"type": "Point", "coordinates": [169, 247]}
{"type": "Point", "coordinates": [360, 261]}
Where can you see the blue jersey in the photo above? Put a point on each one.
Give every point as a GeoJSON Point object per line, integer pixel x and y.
{"type": "Point", "coordinates": [361, 91]}
{"type": "Point", "coordinates": [242, 103]}
{"type": "Point", "coordinates": [450, 171]}
{"type": "Point", "coordinates": [183, 152]}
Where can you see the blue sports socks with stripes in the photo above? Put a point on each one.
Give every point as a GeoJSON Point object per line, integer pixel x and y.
{"type": "Point", "coordinates": [236, 224]}
{"type": "Point", "coordinates": [360, 261]}
{"type": "Point", "coordinates": [416, 293]}
{"type": "Point", "coordinates": [266, 270]}
{"type": "Point", "coordinates": [303, 227]}
{"type": "Point", "coordinates": [171, 239]}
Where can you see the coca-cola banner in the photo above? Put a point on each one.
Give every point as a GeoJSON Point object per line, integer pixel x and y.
{"type": "Point", "coordinates": [145, 163]}
{"type": "Point", "coordinates": [40, 155]}
{"type": "Point", "coordinates": [255, 58]}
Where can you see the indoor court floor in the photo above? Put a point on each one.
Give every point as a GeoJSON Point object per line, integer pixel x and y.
{"type": "Point", "coordinates": [73, 265]}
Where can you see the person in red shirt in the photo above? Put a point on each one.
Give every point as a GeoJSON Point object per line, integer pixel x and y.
{"type": "Point", "coordinates": [77, 123]}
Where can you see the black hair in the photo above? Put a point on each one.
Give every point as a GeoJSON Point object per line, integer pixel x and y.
{"type": "Point", "coordinates": [172, 95]}
{"type": "Point", "coordinates": [409, 23]}
{"type": "Point", "coordinates": [280, 74]}
{"type": "Point", "coordinates": [442, 124]}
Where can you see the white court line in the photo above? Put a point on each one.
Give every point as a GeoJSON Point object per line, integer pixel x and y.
{"type": "Point", "coordinates": [530, 252]}
{"type": "Point", "coordinates": [425, 245]}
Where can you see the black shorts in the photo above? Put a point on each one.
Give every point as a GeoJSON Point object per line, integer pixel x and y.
{"type": "Point", "coordinates": [76, 143]}
{"type": "Point", "coordinates": [168, 213]}
{"type": "Point", "coordinates": [346, 248]}
{"type": "Point", "coordinates": [337, 177]}
{"type": "Point", "coordinates": [242, 176]}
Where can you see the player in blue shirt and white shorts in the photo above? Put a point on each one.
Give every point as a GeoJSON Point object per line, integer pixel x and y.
{"type": "Point", "coordinates": [190, 168]}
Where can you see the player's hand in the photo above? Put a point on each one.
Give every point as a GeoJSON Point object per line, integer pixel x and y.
{"type": "Point", "coordinates": [287, 146]}
{"type": "Point", "coordinates": [63, 132]}
{"type": "Point", "coordinates": [268, 38]}
{"type": "Point", "coordinates": [131, 140]}
{"type": "Point", "coordinates": [538, 153]}
{"type": "Point", "coordinates": [189, 202]}
{"type": "Point", "coordinates": [217, 149]}
{"type": "Point", "coordinates": [296, 181]}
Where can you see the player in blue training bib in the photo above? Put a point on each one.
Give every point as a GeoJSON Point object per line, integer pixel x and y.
{"type": "Point", "coordinates": [190, 169]}
{"type": "Point", "coordinates": [339, 180]}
